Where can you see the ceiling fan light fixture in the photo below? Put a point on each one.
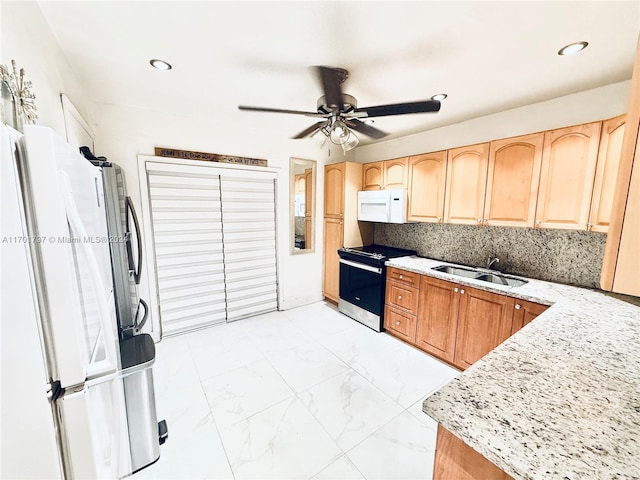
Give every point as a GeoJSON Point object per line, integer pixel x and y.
{"type": "Point", "coordinates": [351, 143]}
{"type": "Point", "coordinates": [160, 64]}
{"type": "Point", "coordinates": [339, 133]}
{"type": "Point", "coordinates": [439, 96]}
{"type": "Point", "coordinates": [573, 48]}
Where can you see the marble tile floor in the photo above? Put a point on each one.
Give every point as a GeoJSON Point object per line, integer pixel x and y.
{"type": "Point", "coordinates": [306, 393]}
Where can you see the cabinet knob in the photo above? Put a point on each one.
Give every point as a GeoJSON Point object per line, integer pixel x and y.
{"type": "Point", "coordinates": [401, 277]}
{"type": "Point", "coordinates": [399, 297]}
{"type": "Point", "coordinates": [397, 323]}
{"type": "Point", "coordinates": [479, 220]}
{"type": "Point", "coordinates": [537, 222]}
{"type": "Point", "coordinates": [439, 219]}
{"type": "Point", "coordinates": [455, 289]}
{"type": "Point", "coordinates": [518, 306]}
{"type": "Point", "coordinates": [589, 226]}
{"type": "Point", "coordinates": [462, 291]}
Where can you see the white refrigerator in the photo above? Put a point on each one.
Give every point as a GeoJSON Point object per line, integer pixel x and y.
{"type": "Point", "coordinates": [63, 405]}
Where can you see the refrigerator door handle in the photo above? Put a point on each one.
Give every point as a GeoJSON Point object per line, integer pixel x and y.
{"type": "Point", "coordinates": [135, 268]}
{"type": "Point", "coordinates": [138, 326]}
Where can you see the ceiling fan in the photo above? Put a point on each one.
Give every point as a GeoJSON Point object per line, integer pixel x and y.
{"type": "Point", "coordinates": [340, 113]}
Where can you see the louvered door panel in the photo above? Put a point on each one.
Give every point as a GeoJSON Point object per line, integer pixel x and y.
{"type": "Point", "coordinates": [187, 232]}
{"type": "Point", "coordinates": [249, 232]}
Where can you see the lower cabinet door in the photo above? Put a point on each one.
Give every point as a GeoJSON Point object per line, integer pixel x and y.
{"type": "Point", "coordinates": [524, 312]}
{"type": "Point", "coordinates": [400, 324]}
{"type": "Point", "coordinates": [438, 317]}
{"type": "Point", "coordinates": [333, 240]}
{"type": "Point", "coordinates": [484, 322]}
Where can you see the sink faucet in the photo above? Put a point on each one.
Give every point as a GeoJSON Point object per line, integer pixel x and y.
{"type": "Point", "coordinates": [491, 261]}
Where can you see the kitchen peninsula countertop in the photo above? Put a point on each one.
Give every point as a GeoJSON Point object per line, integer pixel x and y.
{"type": "Point", "coordinates": [561, 397]}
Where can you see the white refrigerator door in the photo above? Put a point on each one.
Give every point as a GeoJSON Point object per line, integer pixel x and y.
{"type": "Point", "coordinates": [70, 242]}
{"type": "Point", "coordinates": [29, 448]}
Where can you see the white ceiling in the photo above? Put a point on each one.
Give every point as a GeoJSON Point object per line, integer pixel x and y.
{"type": "Point", "coordinates": [487, 56]}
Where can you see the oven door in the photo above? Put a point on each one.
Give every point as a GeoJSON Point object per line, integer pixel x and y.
{"type": "Point", "coordinates": [362, 285]}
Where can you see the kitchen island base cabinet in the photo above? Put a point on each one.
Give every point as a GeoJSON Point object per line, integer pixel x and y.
{"type": "Point", "coordinates": [455, 460]}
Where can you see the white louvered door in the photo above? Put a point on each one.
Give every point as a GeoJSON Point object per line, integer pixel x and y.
{"type": "Point", "coordinates": [187, 234]}
{"type": "Point", "coordinates": [249, 232]}
{"type": "Point", "coordinates": [214, 235]}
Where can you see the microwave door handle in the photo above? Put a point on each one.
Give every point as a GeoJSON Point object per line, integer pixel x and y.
{"type": "Point", "coordinates": [137, 268]}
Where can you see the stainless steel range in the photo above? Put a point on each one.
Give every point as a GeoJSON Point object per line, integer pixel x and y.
{"type": "Point", "coordinates": [362, 282]}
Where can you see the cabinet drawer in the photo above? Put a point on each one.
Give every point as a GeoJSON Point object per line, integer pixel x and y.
{"type": "Point", "coordinates": [403, 276]}
{"type": "Point", "coordinates": [400, 324]}
{"type": "Point", "coordinates": [402, 296]}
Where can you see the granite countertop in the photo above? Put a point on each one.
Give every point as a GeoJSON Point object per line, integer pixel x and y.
{"type": "Point", "coordinates": [561, 397]}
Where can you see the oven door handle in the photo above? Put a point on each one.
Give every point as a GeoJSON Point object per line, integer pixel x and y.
{"type": "Point", "coordinates": [362, 266]}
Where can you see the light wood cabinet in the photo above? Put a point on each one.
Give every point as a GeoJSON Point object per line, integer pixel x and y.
{"type": "Point", "coordinates": [484, 321]}
{"type": "Point", "coordinates": [524, 312]}
{"type": "Point", "coordinates": [466, 184]}
{"type": "Point", "coordinates": [342, 181]}
{"type": "Point", "coordinates": [455, 323]}
{"type": "Point", "coordinates": [566, 179]}
{"type": "Point", "coordinates": [333, 240]}
{"type": "Point", "coordinates": [427, 180]}
{"type": "Point", "coordinates": [438, 317]}
{"type": "Point", "coordinates": [455, 460]}
{"type": "Point", "coordinates": [396, 173]}
{"type": "Point", "coordinates": [606, 173]}
{"type": "Point", "coordinates": [512, 181]}
{"type": "Point", "coordinates": [385, 175]}
{"type": "Point", "coordinates": [401, 303]}
{"type": "Point", "coordinates": [622, 255]}
{"type": "Point", "coordinates": [334, 183]}
{"type": "Point", "coordinates": [400, 324]}
{"type": "Point", "coordinates": [372, 176]}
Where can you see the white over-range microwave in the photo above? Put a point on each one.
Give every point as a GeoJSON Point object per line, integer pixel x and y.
{"type": "Point", "coordinates": [383, 206]}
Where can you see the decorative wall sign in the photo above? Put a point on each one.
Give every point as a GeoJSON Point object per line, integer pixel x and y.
{"type": "Point", "coordinates": [17, 97]}
{"type": "Point", "coordinates": [208, 157]}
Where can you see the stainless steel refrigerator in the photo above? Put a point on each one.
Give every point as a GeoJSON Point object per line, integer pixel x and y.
{"type": "Point", "coordinates": [65, 412]}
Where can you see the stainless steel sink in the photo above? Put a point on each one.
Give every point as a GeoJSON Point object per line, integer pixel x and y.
{"type": "Point", "coordinates": [500, 280]}
{"type": "Point", "coordinates": [481, 275]}
{"type": "Point", "coordinates": [459, 271]}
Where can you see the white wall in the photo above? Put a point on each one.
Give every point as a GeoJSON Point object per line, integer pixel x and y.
{"type": "Point", "coordinates": [583, 107]}
{"type": "Point", "coordinates": [27, 39]}
{"type": "Point", "coordinates": [122, 133]}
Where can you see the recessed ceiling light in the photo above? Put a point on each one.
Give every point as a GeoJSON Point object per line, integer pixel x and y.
{"type": "Point", "coordinates": [160, 64]}
{"type": "Point", "coordinates": [573, 48]}
{"type": "Point", "coordinates": [439, 96]}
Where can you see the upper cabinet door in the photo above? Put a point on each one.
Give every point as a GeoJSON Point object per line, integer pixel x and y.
{"type": "Point", "coordinates": [606, 173]}
{"type": "Point", "coordinates": [566, 180]}
{"type": "Point", "coordinates": [396, 173]}
{"type": "Point", "coordinates": [427, 179]}
{"type": "Point", "coordinates": [334, 190]}
{"type": "Point", "coordinates": [372, 176]}
{"type": "Point", "coordinates": [466, 184]}
{"type": "Point", "coordinates": [512, 181]}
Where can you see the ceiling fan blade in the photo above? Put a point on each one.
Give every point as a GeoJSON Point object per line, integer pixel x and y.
{"type": "Point", "coordinates": [368, 130]}
{"type": "Point", "coordinates": [310, 131]}
{"type": "Point", "coordinates": [331, 79]}
{"type": "Point", "coordinates": [427, 106]}
{"type": "Point", "coordinates": [280, 110]}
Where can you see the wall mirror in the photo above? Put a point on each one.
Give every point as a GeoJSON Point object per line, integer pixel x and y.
{"type": "Point", "coordinates": [302, 205]}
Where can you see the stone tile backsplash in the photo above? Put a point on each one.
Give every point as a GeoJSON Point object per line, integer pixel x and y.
{"type": "Point", "coordinates": [564, 256]}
